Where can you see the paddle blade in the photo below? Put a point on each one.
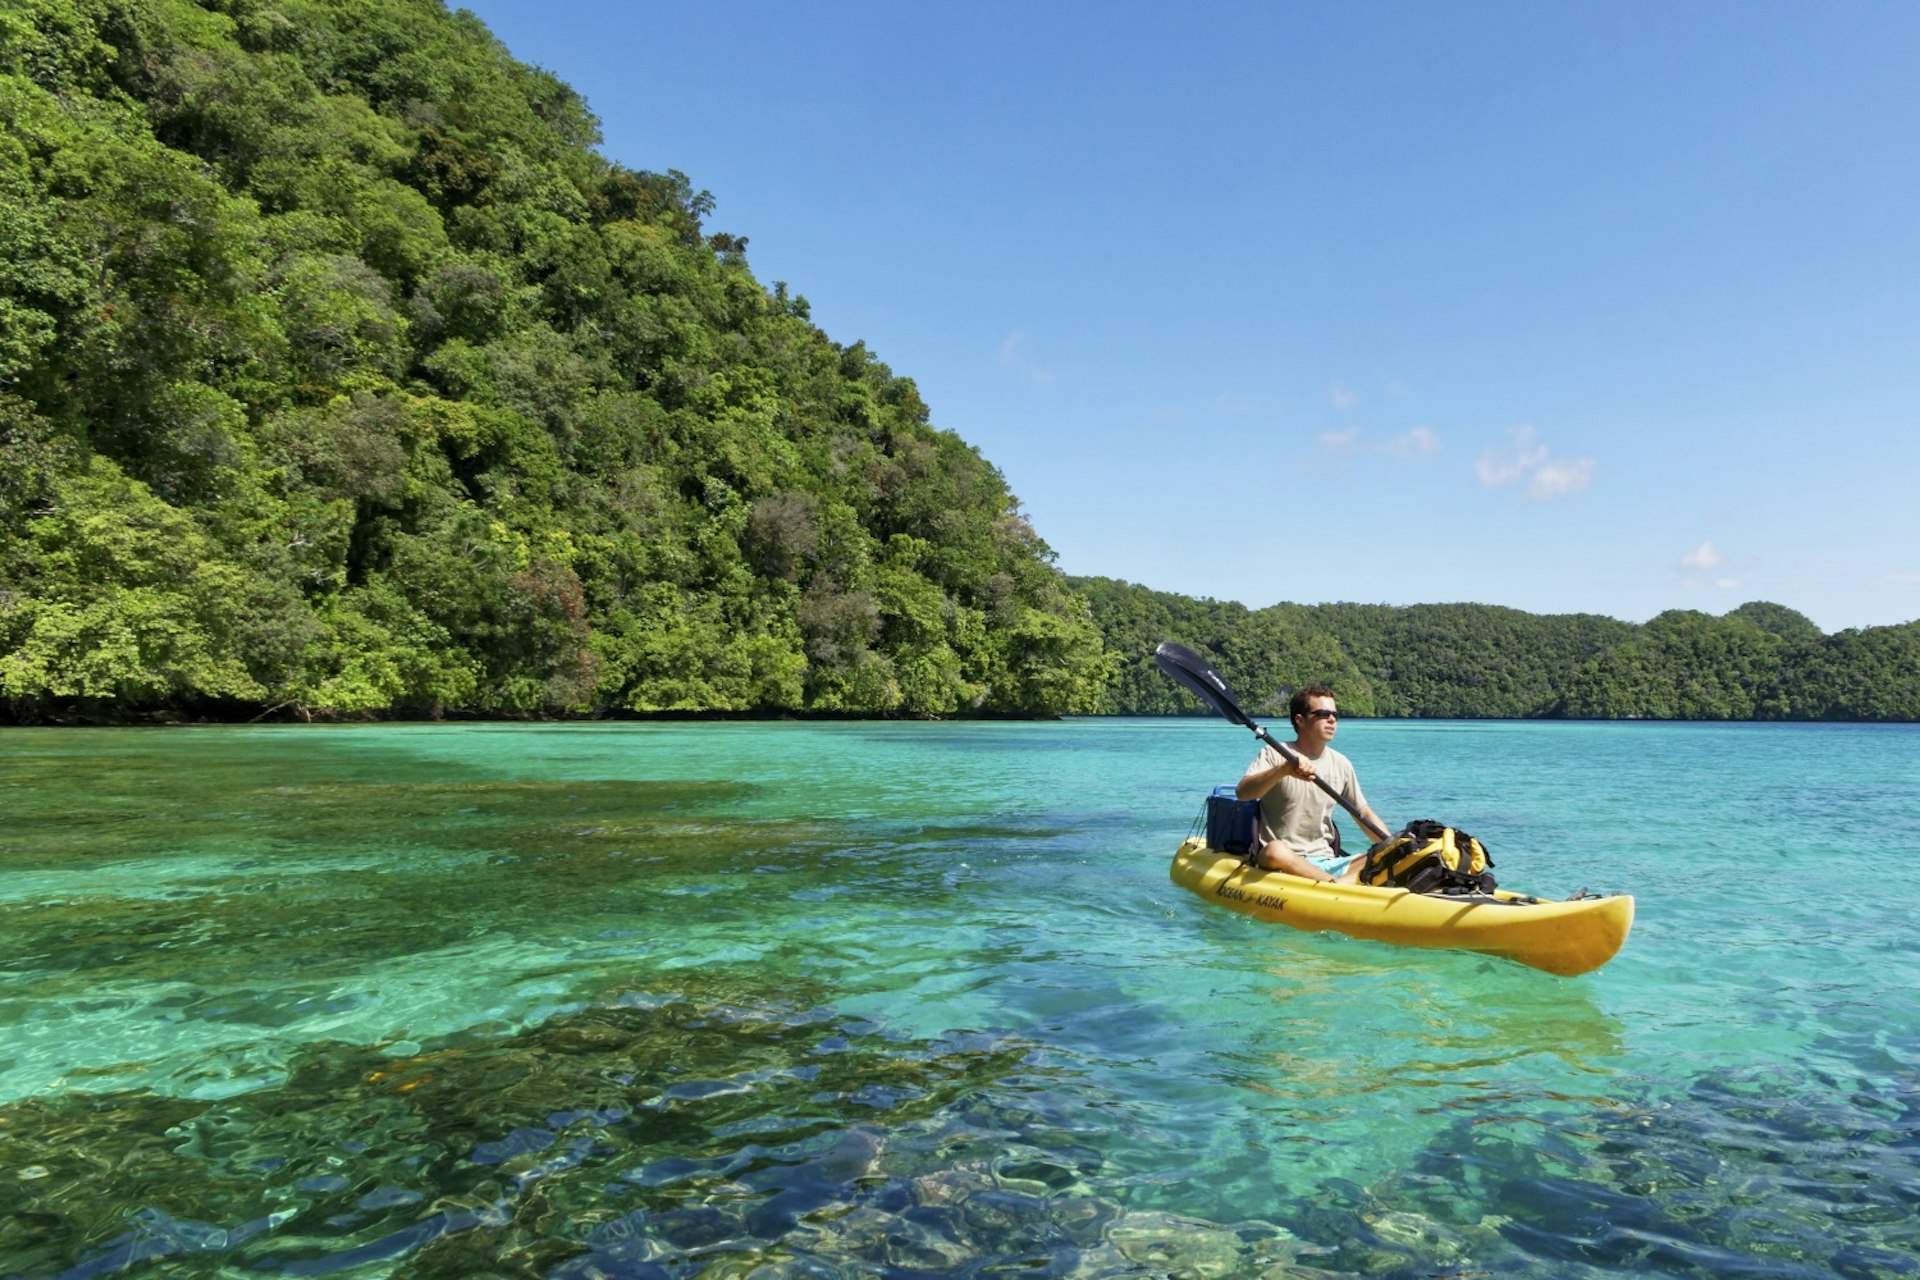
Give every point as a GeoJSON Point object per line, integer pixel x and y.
{"type": "Point", "coordinates": [1190, 671]}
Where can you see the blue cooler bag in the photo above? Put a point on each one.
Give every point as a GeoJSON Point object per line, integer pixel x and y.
{"type": "Point", "coordinates": [1231, 821]}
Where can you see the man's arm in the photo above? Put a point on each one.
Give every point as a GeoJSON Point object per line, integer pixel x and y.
{"type": "Point", "coordinates": [1353, 797]}
{"type": "Point", "coordinates": [1258, 782]}
{"type": "Point", "coordinates": [1351, 874]}
{"type": "Point", "coordinates": [1379, 823]}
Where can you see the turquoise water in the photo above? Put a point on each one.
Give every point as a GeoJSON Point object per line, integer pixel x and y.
{"type": "Point", "coordinates": [918, 999]}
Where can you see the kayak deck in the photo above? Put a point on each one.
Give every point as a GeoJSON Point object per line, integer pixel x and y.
{"type": "Point", "coordinates": [1565, 938]}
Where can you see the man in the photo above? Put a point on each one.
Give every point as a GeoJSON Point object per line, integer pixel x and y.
{"type": "Point", "coordinates": [1295, 831]}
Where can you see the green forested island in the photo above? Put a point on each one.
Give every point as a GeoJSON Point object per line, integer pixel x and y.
{"type": "Point", "coordinates": [1758, 662]}
{"type": "Point", "coordinates": [341, 376]}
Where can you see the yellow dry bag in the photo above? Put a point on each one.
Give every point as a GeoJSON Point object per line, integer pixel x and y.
{"type": "Point", "coordinates": [1427, 857]}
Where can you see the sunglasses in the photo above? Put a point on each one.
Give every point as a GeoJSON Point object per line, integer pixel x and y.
{"type": "Point", "coordinates": [1322, 713]}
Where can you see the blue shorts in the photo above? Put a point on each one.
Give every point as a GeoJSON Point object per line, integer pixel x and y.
{"type": "Point", "coordinates": [1331, 863]}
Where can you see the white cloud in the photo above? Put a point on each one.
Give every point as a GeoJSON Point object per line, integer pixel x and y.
{"type": "Point", "coordinates": [1408, 446]}
{"type": "Point", "coordinates": [1525, 458]}
{"type": "Point", "coordinates": [1013, 355]}
{"type": "Point", "coordinates": [1704, 558]}
{"type": "Point", "coordinates": [1343, 400]}
{"type": "Point", "coordinates": [1702, 565]}
{"type": "Point", "coordinates": [1558, 477]}
{"type": "Point", "coordinates": [1498, 468]}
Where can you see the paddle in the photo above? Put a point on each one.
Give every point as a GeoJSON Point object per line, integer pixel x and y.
{"type": "Point", "coordinates": [1190, 671]}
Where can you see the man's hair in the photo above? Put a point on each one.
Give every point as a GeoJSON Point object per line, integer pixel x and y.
{"type": "Point", "coordinates": [1297, 705]}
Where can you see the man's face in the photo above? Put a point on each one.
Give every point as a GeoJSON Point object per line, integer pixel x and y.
{"type": "Point", "coordinates": [1319, 721]}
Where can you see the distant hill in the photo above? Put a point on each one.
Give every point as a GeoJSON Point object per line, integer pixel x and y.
{"type": "Point", "coordinates": [339, 375]}
{"type": "Point", "coordinates": [1759, 662]}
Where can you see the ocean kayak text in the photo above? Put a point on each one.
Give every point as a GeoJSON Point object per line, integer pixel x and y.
{"type": "Point", "coordinates": [1257, 899]}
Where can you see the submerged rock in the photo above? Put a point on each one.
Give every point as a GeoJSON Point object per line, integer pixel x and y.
{"type": "Point", "coordinates": [1156, 1243]}
{"type": "Point", "coordinates": [1421, 1236]}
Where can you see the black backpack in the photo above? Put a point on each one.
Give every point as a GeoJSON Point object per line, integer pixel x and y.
{"type": "Point", "coordinates": [1428, 857]}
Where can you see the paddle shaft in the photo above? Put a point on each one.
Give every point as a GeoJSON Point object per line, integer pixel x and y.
{"type": "Point", "coordinates": [1190, 671]}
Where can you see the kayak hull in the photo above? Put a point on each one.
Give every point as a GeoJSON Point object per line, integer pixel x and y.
{"type": "Point", "coordinates": [1565, 938]}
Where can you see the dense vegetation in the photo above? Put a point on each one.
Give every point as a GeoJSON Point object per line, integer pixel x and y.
{"type": "Point", "coordinates": [340, 375]}
{"type": "Point", "coordinates": [1759, 662]}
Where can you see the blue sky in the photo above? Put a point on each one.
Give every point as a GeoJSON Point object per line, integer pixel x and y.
{"type": "Point", "coordinates": [1597, 307]}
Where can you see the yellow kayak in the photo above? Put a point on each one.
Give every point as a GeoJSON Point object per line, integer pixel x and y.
{"type": "Point", "coordinates": [1566, 938]}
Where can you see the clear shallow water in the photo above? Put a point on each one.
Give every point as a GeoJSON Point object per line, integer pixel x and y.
{"type": "Point", "coordinates": [906, 999]}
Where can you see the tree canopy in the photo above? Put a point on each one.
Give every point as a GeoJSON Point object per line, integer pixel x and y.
{"type": "Point", "coordinates": [340, 374]}
{"type": "Point", "coordinates": [1761, 661]}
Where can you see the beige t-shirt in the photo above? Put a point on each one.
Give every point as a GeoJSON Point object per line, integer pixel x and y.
{"type": "Point", "coordinates": [1300, 813]}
